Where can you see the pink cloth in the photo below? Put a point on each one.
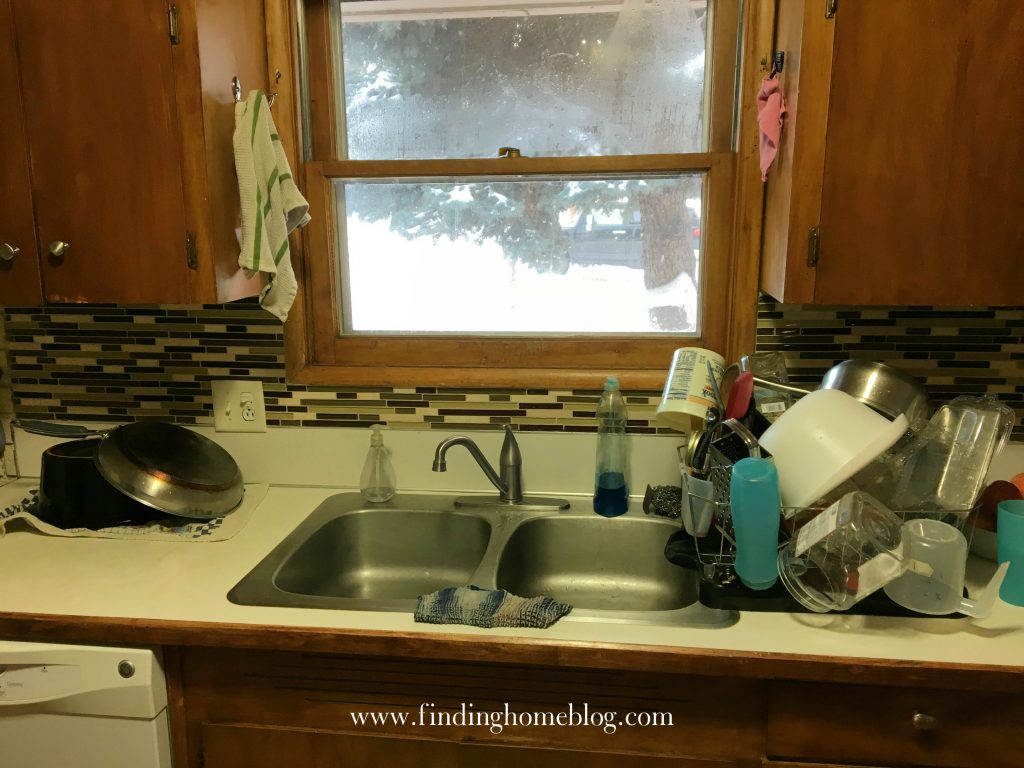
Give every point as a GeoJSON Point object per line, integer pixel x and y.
{"type": "Point", "coordinates": [771, 107]}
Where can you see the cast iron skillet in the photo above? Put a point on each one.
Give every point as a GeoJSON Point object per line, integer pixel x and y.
{"type": "Point", "coordinates": [163, 466]}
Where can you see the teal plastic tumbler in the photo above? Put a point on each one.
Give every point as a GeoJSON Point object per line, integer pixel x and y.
{"type": "Point", "coordinates": [754, 498]}
{"type": "Point", "coordinates": [1010, 547]}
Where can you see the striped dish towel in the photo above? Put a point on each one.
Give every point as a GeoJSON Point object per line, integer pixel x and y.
{"type": "Point", "coordinates": [488, 608]}
{"type": "Point", "coordinates": [272, 205]}
{"type": "Point", "coordinates": [163, 529]}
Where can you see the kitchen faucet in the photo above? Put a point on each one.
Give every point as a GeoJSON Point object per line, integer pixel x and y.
{"type": "Point", "coordinates": [509, 483]}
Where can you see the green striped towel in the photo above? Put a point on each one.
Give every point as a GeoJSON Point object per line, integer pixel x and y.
{"type": "Point", "coordinates": [272, 205]}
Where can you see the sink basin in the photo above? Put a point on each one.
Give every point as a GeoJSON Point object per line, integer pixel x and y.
{"type": "Point", "coordinates": [591, 562]}
{"type": "Point", "coordinates": [355, 555]}
{"type": "Point", "coordinates": [386, 554]}
{"type": "Point", "coordinates": [352, 555]}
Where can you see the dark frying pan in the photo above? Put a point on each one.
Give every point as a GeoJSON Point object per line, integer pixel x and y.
{"type": "Point", "coordinates": [163, 466]}
{"type": "Point", "coordinates": [73, 493]}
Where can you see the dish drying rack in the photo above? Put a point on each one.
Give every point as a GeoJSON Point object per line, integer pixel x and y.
{"type": "Point", "coordinates": [716, 552]}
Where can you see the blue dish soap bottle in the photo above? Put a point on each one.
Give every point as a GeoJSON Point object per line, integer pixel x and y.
{"type": "Point", "coordinates": [611, 484]}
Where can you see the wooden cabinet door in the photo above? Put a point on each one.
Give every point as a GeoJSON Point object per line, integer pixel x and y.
{"type": "Point", "coordinates": [239, 746]}
{"type": "Point", "coordinates": [19, 274]}
{"type": "Point", "coordinates": [504, 756]}
{"type": "Point", "coordinates": [867, 725]}
{"type": "Point", "coordinates": [251, 746]}
{"type": "Point", "coordinates": [901, 152]}
{"type": "Point", "coordinates": [923, 194]}
{"type": "Point", "coordinates": [792, 203]}
{"type": "Point", "coordinates": [776, 764]}
{"type": "Point", "coordinates": [98, 85]}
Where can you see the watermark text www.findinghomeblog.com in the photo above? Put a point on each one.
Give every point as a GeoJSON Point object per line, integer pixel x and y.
{"type": "Point", "coordinates": [497, 720]}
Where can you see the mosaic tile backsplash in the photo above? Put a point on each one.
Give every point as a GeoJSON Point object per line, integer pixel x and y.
{"type": "Point", "coordinates": [108, 363]}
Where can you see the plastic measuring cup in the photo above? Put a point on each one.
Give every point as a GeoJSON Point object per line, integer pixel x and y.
{"type": "Point", "coordinates": [934, 581]}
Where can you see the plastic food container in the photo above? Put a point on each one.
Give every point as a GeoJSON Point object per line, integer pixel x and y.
{"type": "Point", "coordinates": [945, 466]}
{"type": "Point", "coordinates": [853, 548]}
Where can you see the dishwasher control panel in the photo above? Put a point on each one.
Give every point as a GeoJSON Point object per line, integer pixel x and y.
{"type": "Point", "coordinates": [36, 682]}
{"type": "Point", "coordinates": [81, 679]}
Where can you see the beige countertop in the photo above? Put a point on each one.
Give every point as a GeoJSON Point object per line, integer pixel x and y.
{"type": "Point", "coordinates": [143, 581]}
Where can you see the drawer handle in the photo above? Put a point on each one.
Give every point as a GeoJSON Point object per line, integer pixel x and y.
{"type": "Point", "coordinates": [925, 722]}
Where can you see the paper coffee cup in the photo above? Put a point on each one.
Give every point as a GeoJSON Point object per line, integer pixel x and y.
{"type": "Point", "coordinates": [688, 392]}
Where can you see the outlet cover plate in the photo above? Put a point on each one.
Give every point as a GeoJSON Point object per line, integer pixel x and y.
{"type": "Point", "coordinates": [234, 401]}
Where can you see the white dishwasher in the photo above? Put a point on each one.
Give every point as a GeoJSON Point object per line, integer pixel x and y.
{"type": "Point", "coordinates": [75, 706]}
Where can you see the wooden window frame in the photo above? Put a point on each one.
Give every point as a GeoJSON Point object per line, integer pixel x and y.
{"type": "Point", "coordinates": [318, 354]}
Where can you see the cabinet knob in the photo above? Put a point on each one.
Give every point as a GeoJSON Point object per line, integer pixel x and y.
{"type": "Point", "coordinates": [59, 247]}
{"type": "Point", "coordinates": [925, 722]}
{"type": "Point", "coordinates": [8, 251]}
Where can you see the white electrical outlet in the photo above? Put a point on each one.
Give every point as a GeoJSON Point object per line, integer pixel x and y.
{"type": "Point", "coordinates": [238, 406]}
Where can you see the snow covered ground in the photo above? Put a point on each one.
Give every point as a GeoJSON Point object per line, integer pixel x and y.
{"type": "Point", "coordinates": [458, 286]}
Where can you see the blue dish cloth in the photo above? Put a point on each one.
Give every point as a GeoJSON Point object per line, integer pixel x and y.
{"type": "Point", "coordinates": [488, 608]}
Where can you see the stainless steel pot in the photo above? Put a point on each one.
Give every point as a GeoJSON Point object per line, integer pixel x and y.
{"type": "Point", "coordinates": [164, 466]}
{"type": "Point", "coordinates": [888, 390]}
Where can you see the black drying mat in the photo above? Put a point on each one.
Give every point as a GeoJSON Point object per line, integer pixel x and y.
{"type": "Point", "coordinates": [735, 596]}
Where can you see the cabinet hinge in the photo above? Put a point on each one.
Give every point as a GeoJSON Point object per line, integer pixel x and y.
{"type": "Point", "coordinates": [173, 28]}
{"type": "Point", "coordinates": [813, 246]}
{"type": "Point", "coordinates": [191, 254]}
{"type": "Point", "coordinates": [830, 8]}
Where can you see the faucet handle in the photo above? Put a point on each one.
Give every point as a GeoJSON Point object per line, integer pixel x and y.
{"type": "Point", "coordinates": [511, 462]}
{"type": "Point", "coordinates": [510, 454]}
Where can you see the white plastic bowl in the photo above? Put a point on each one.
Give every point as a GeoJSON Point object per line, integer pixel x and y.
{"type": "Point", "coordinates": [825, 438]}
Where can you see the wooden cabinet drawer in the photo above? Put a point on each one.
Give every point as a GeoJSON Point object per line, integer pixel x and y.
{"type": "Point", "coordinates": [897, 726]}
{"type": "Point", "coordinates": [704, 721]}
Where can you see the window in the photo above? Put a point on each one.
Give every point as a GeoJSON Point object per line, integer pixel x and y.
{"type": "Point", "coordinates": [517, 193]}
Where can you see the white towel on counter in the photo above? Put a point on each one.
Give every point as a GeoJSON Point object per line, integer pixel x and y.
{"type": "Point", "coordinates": [272, 205]}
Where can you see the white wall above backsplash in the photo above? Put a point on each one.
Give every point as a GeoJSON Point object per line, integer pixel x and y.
{"type": "Point", "coordinates": [552, 462]}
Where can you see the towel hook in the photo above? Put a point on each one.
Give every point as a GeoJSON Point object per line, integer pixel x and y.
{"type": "Point", "coordinates": [778, 61]}
{"type": "Point", "coordinates": [236, 89]}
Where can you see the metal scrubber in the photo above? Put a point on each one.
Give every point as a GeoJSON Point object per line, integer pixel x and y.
{"type": "Point", "coordinates": [663, 501]}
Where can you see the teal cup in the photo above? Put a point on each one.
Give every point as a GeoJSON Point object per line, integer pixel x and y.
{"type": "Point", "coordinates": [1010, 547]}
{"type": "Point", "coordinates": [754, 497]}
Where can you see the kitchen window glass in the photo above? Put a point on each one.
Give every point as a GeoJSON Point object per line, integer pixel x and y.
{"type": "Point", "coordinates": [538, 169]}
{"type": "Point", "coordinates": [527, 256]}
{"type": "Point", "coordinates": [556, 79]}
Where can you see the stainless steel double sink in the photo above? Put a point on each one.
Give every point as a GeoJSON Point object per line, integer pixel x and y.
{"type": "Point", "coordinates": [350, 554]}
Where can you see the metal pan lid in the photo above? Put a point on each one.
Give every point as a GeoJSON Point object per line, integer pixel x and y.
{"type": "Point", "coordinates": [171, 468]}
